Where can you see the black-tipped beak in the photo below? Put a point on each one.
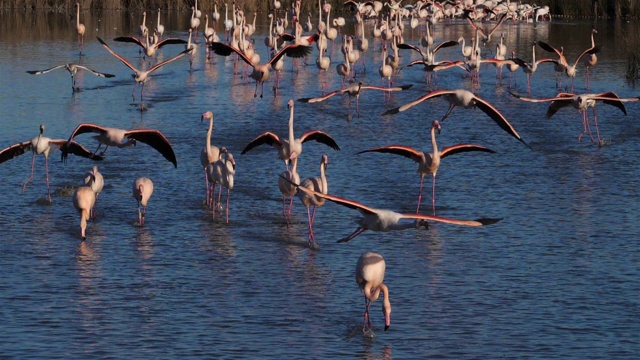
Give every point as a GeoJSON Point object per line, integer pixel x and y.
{"type": "Point", "coordinates": [386, 327]}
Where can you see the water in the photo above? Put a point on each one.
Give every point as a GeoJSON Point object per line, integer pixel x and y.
{"type": "Point", "coordinates": [556, 278]}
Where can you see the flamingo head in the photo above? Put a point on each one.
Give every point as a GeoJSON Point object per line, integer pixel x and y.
{"type": "Point", "coordinates": [231, 160]}
{"type": "Point", "coordinates": [290, 104]}
{"type": "Point", "coordinates": [436, 125]}
{"type": "Point", "coordinates": [325, 160]}
{"type": "Point", "coordinates": [207, 115]}
{"type": "Point", "coordinates": [41, 129]}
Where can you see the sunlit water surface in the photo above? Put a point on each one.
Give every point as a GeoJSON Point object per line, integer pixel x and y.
{"type": "Point", "coordinates": [557, 277]}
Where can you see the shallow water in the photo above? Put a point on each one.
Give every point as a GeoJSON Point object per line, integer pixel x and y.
{"type": "Point", "coordinates": [557, 277]}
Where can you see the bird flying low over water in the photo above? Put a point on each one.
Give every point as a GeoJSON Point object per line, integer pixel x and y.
{"type": "Point", "coordinates": [122, 138]}
{"type": "Point", "coordinates": [72, 69]}
{"type": "Point", "coordinates": [387, 220]}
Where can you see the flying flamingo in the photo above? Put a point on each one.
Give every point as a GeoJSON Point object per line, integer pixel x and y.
{"type": "Point", "coordinates": [223, 172]}
{"type": "Point", "coordinates": [142, 191]}
{"type": "Point", "coordinates": [209, 153]}
{"type": "Point", "coordinates": [116, 137]}
{"type": "Point", "coordinates": [466, 99]}
{"type": "Point", "coordinates": [486, 34]}
{"type": "Point", "coordinates": [291, 148]}
{"type": "Point", "coordinates": [530, 68]}
{"type": "Point", "coordinates": [260, 72]}
{"type": "Point", "coordinates": [140, 76]}
{"type": "Point", "coordinates": [95, 181]}
{"type": "Point", "coordinates": [80, 29]}
{"type": "Point", "coordinates": [287, 189]}
{"type": "Point", "coordinates": [84, 200]}
{"type": "Point", "coordinates": [72, 69]}
{"type": "Point", "coordinates": [370, 276]}
{"type": "Point", "coordinates": [428, 163]}
{"type": "Point", "coordinates": [387, 220]}
{"type": "Point", "coordinates": [149, 48]}
{"type": "Point", "coordinates": [44, 145]}
{"type": "Point", "coordinates": [309, 187]}
{"type": "Point", "coordinates": [354, 90]}
{"type": "Point", "coordinates": [562, 61]}
{"type": "Point", "coordinates": [582, 102]}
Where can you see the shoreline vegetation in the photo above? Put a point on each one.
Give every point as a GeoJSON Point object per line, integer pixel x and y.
{"type": "Point", "coordinates": [610, 9]}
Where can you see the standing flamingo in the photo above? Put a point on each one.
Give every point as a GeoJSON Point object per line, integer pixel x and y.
{"type": "Point", "coordinates": [142, 29]}
{"type": "Point", "coordinates": [291, 148]}
{"type": "Point", "coordinates": [80, 28]}
{"type": "Point", "coordinates": [428, 163]}
{"type": "Point", "coordinates": [140, 76]}
{"type": "Point", "coordinates": [159, 27]}
{"type": "Point", "coordinates": [223, 172]}
{"type": "Point", "coordinates": [209, 153]}
{"type": "Point", "coordinates": [84, 200]}
{"type": "Point", "coordinates": [72, 69]}
{"type": "Point", "coordinates": [142, 190]}
{"type": "Point", "coordinates": [311, 186]}
{"type": "Point", "coordinates": [195, 21]}
{"type": "Point", "coordinates": [466, 99]}
{"type": "Point", "coordinates": [44, 145]}
{"type": "Point", "coordinates": [369, 277]}
{"type": "Point", "coordinates": [591, 60]}
{"type": "Point", "coordinates": [387, 220]}
{"type": "Point", "coordinates": [385, 70]}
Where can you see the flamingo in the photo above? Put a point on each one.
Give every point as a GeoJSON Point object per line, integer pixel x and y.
{"type": "Point", "coordinates": [313, 185]}
{"type": "Point", "coordinates": [323, 63]}
{"type": "Point", "coordinates": [344, 69]}
{"type": "Point", "coordinates": [149, 48]}
{"type": "Point", "coordinates": [114, 137]}
{"type": "Point", "coordinates": [140, 76]}
{"type": "Point", "coordinates": [260, 72]}
{"type": "Point", "coordinates": [581, 102]}
{"type": "Point", "coordinates": [192, 49]}
{"type": "Point", "coordinates": [80, 28]}
{"type": "Point", "coordinates": [228, 23]}
{"type": "Point", "coordinates": [223, 172]}
{"type": "Point", "coordinates": [369, 277]}
{"type": "Point", "coordinates": [142, 191]}
{"type": "Point", "coordinates": [95, 181]}
{"type": "Point", "coordinates": [216, 15]}
{"type": "Point", "coordinates": [466, 99]}
{"type": "Point", "coordinates": [159, 27]}
{"type": "Point", "coordinates": [385, 70]}
{"type": "Point", "coordinates": [43, 145]}
{"type": "Point", "coordinates": [142, 29]}
{"type": "Point", "coordinates": [387, 220]}
{"type": "Point", "coordinates": [562, 61]}
{"type": "Point", "coordinates": [209, 153]}
{"type": "Point", "coordinates": [72, 69]}
{"type": "Point", "coordinates": [287, 189]}
{"type": "Point", "coordinates": [428, 163]}
{"type": "Point", "coordinates": [84, 199]}
{"type": "Point", "coordinates": [354, 90]}
{"type": "Point", "coordinates": [486, 34]}
{"type": "Point", "coordinates": [291, 148]}
{"type": "Point", "coordinates": [591, 60]}
{"type": "Point", "coordinates": [195, 21]}
{"type": "Point", "coordinates": [198, 12]}
{"type": "Point", "coordinates": [530, 68]}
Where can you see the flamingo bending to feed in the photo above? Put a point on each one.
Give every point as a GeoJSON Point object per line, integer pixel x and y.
{"type": "Point", "coordinates": [428, 163]}
{"type": "Point", "coordinates": [352, 90]}
{"type": "Point", "coordinates": [209, 153]}
{"type": "Point", "coordinates": [142, 190]}
{"type": "Point", "coordinates": [72, 69]}
{"type": "Point", "coordinates": [287, 189]}
{"type": "Point", "coordinates": [582, 102]}
{"type": "Point", "coordinates": [222, 172]}
{"type": "Point", "coordinates": [95, 181]}
{"type": "Point", "coordinates": [387, 220]}
{"type": "Point", "coordinates": [116, 137]}
{"type": "Point", "coordinates": [44, 145]}
{"type": "Point", "coordinates": [84, 199]}
{"type": "Point", "coordinates": [260, 72]}
{"type": "Point", "coordinates": [291, 148]}
{"type": "Point", "coordinates": [370, 276]}
{"type": "Point", "coordinates": [140, 76]}
{"type": "Point", "coordinates": [466, 99]}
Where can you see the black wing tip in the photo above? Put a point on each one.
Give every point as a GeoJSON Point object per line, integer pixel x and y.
{"type": "Point", "coordinates": [304, 100]}
{"type": "Point", "coordinates": [405, 87]}
{"type": "Point", "coordinates": [488, 221]}
{"type": "Point", "coordinates": [33, 72]}
{"type": "Point", "coordinates": [391, 112]}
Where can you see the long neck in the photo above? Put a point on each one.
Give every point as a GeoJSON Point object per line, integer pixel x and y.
{"type": "Point", "coordinates": [433, 142]}
{"type": "Point", "coordinates": [323, 179]}
{"type": "Point", "coordinates": [209, 135]}
{"type": "Point", "coordinates": [291, 135]}
{"type": "Point", "coordinates": [372, 295]}
{"type": "Point", "coordinates": [78, 16]}
{"type": "Point", "coordinates": [158, 18]}
{"type": "Point", "coordinates": [593, 43]}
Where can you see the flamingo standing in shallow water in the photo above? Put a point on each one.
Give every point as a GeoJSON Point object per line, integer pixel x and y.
{"type": "Point", "coordinates": [223, 172]}
{"type": "Point", "coordinates": [466, 99]}
{"type": "Point", "coordinates": [72, 69]}
{"type": "Point", "coordinates": [142, 190]}
{"type": "Point", "coordinates": [80, 28]}
{"type": "Point", "coordinates": [140, 76]}
{"type": "Point", "coordinates": [44, 145]}
{"type": "Point", "coordinates": [84, 199]}
{"type": "Point", "coordinates": [387, 220]}
{"type": "Point", "coordinates": [209, 153]}
{"type": "Point", "coordinates": [116, 137]}
{"type": "Point", "coordinates": [428, 163]}
{"type": "Point", "coordinates": [370, 276]}
{"type": "Point", "coordinates": [291, 148]}
{"type": "Point", "coordinates": [311, 186]}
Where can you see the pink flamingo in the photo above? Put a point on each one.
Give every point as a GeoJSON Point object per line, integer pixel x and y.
{"type": "Point", "coordinates": [370, 276]}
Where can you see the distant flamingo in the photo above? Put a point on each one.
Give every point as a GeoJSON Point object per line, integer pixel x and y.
{"type": "Point", "coordinates": [387, 220]}
{"type": "Point", "coordinates": [159, 27]}
{"type": "Point", "coordinates": [84, 200]}
{"type": "Point", "coordinates": [223, 172]}
{"type": "Point", "coordinates": [291, 148]}
{"type": "Point", "coordinates": [80, 28]}
{"type": "Point", "coordinates": [466, 99]}
{"type": "Point", "coordinates": [311, 186]}
{"type": "Point", "coordinates": [72, 69]}
{"type": "Point", "coordinates": [44, 145]}
{"type": "Point", "coordinates": [287, 189]}
{"type": "Point", "coordinates": [140, 76]}
{"type": "Point", "coordinates": [148, 47]}
{"type": "Point", "coordinates": [591, 60]}
{"type": "Point", "coordinates": [428, 163]}
{"type": "Point", "coordinates": [370, 276]}
{"type": "Point", "coordinates": [195, 21]}
{"type": "Point", "coordinates": [142, 190]}
{"type": "Point", "coordinates": [116, 137]}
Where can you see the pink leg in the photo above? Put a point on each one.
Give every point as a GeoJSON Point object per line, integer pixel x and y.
{"type": "Point", "coordinates": [46, 170]}
{"type": "Point", "coordinates": [227, 209]}
{"type": "Point", "coordinates": [33, 163]}
{"type": "Point", "coordinates": [420, 195]}
{"type": "Point", "coordinates": [433, 193]}
{"type": "Point", "coordinates": [310, 218]}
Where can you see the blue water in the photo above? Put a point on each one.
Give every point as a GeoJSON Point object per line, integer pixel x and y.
{"type": "Point", "coordinates": [557, 277]}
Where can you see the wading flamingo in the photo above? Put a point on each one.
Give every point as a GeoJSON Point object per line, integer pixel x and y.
{"type": "Point", "coordinates": [80, 29]}
{"type": "Point", "coordinates": [84, 200]}
{"type": "Point", "coordinates": [209, 153]}
{"type": "Point", "coordinates": [313, 185]}
{"type": "Point", "coordinates": [222, 172]}
{"type": "Point", "coordinates": [142, 190]}
{"type": "Point", "coordinates": [369, 277]}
